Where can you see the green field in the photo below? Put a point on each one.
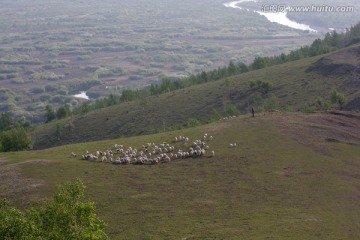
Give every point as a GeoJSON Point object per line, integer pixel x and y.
{"type": "Point", "coordinates": [291, 176]}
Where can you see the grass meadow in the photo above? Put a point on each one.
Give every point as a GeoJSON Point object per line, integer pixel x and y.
{"type": "Point", "coordinates": [268, 187]}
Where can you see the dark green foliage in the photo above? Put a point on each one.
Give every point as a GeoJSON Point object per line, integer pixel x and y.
{"type": "Point", "coordinates": [262, 86]}
{"type": "Point", "coordinates": [85, 107]}
{"type": "Point", "coordinates": [49, 114]}
{"type": "Point", "coordinates": [37, 90]}
{"type": "Point", "coordinates": [127, 95]}
{"type": "Point", "coordinates": [307, 108]}
{"type": "Point", "coordinates": [51, 88]}
{"type": "Point", "coordinates": [63, 112]}
{"type": "Point", "coordinates": [231, 111]}
{"type": "Point", "coordinates": [322, 104]}
{"type": "Point", "coordinates": [15, 139]}
{"type": "Point", "coordinates": [337, 97]}
{"type": "Point", "coordinates": [6, 122]}
{"type": "Point", "coordinates": [272, 102]}
{"type": "Point", "coordinates": [193, 122]}
{"type": "Point", "coordinates": [58, 131]}
{"type": "Point", "coordinates": [65, 216]}
{"type": "Point", "coordinates": [215, 116]}
{"type": "Point", "coordinates": [13, 223]}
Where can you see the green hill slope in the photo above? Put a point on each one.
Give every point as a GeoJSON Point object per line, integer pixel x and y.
{"type": "Point", "coordinates": [291, 176]}
{"type": "Point", "coordinates": [295, 84]}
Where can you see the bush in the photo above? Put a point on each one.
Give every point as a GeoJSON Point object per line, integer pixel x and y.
{"type": "Point", "coordinates": [215, 116]}
{"type": "Point", "coordinates": [231, 111]}
{"type": "Point", "coordinates": [272, 102]}
{"type": "Point", "coordinates": [65, 216]}
{"type": "Point", "coordinates": [37, 90]}
{"type": "Point", "coordinates": [15, 139]}
{"type": "Point", "coordinates": [192, 122]}
{"type": "Point", "coordinates": [337, 97]}
{"type": "Point", "coordinates": [306, 108]}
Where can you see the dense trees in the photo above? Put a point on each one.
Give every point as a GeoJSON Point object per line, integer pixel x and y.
{"type": "Point", "coordinates": [49, 114]}
{"type": "Point", "coordinates": [13, 136]}
{"type": "Point", "coordinates": [15, 139]}
{"type": "Point", "coordinates": [5, 122]}
{"type": "Point", "coordinates": [67, 215]}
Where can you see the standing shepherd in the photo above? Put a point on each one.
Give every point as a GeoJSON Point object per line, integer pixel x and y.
{"type": "Point", "coordinates": [253, 112]}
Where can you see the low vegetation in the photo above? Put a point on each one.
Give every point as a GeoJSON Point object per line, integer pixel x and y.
{"type": "Point", "coordinates": [290, 176]}
{"type": "Point", "coordinates": [302, 85]}
{"type": "Point", "coordinates": [67, 215]}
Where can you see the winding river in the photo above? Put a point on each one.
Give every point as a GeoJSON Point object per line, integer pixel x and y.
{"type": "Point", "coordinates": [276, 17]}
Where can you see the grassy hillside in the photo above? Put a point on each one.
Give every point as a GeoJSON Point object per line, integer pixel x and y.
{"type": "Point", "coordinates": [291, 176]}
{"type": "Point", "coordinates": [295, 84]}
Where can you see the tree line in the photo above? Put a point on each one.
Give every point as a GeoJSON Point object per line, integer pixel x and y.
{"type": "Point", "coordinates": [331, 42]}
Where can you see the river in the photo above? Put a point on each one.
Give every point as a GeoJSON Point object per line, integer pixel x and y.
{"type": "Point", "coordinates": [276, 17]}
{"type": "Point", "coordinates": [82, 95]}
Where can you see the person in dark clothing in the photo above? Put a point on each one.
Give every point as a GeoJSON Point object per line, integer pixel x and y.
{"type": "Point", "coordinates": [253, 112]}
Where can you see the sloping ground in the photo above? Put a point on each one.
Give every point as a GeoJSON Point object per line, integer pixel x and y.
{"type": "Point", "coordinates": [291, 176]}
{"type": "Point", "coordinates": [314, 130]}
{"type": "Point", "coordinates": [295, 84]}
{"type": "Point", "coordinates": [353, 105]}
{"type": "Point", "coordinates": [338, 63]}
{"type": "Point", "coordinates": [15, 186]}
{"type": "Point", "coordinates": [345, 63]}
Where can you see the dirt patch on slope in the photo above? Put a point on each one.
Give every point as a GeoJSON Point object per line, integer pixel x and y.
{"type": "Point", "coordinates": [342, 63]}
{"type": "Point", "coordinates": [317, 130]}
{"type": "Point", "coordinates": [14, 185]}
{"type": "Point", "coordinates": [353, 105]}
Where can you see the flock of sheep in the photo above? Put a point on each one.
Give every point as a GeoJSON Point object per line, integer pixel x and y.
{"type": "Point", "coordinates": [150, 153]}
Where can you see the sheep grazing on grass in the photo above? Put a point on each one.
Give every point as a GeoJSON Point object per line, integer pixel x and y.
{"type": "Point", "coordinates": [213, 153]}
{"type": "Point", "coordinates": [162, 153]}
{"type": "Point", "coordinates": [73, 155]}
{"type": "Point", "coordinates": [232, 145]}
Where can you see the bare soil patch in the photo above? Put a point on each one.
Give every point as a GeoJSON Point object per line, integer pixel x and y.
{"type": "Point", "coordinates": [317, 130]}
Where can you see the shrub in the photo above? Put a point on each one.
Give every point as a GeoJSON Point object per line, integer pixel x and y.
{"type": "Point", "coordinates": [15, 139]}
{"type": "Point", "coordinates": [67, 215]}
{"type": "Point", "coordinates": [192, 122]}
{"type": "Point", "coordinates": [37, 90]}
{"type": "Point", "coordinates": [337, 97]}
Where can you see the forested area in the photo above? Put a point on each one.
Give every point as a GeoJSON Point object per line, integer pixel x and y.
{"type": "Point", "coordinates": [331, 42]}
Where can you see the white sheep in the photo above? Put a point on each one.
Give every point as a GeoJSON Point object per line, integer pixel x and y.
{"type": "Point", "coordinates": [212, 153]}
